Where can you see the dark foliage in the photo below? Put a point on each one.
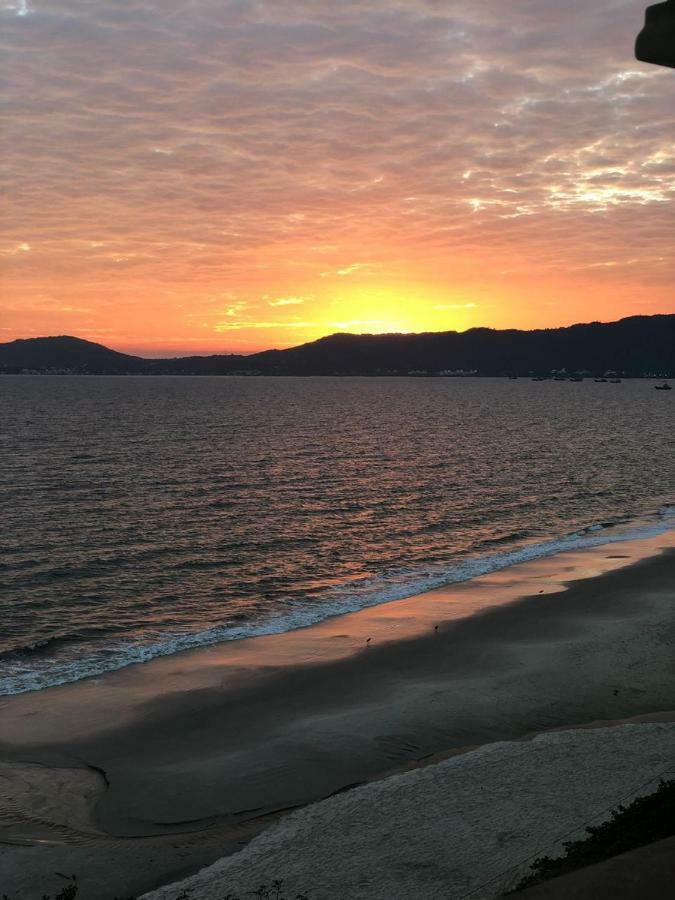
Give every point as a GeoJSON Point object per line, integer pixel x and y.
{"type": "Point", "coordinates": [273, 891]}
{"type": "Point", "coordinates": [642, 822]}
{"type": "Point", "coordinates": [69, 892]}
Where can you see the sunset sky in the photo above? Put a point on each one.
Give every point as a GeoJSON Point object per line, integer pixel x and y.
{"type": "Point", "coordinates": [232, 175]}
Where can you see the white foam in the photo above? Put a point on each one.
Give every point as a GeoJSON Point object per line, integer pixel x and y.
{"type": "Point", "coordinates": [350, 598]}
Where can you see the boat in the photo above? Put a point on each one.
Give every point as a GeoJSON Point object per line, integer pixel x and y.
{"type": "Point", "coordinates": [662, 387]}
{"type": "Point", "coordinates": [615, 381]}
{"type": "Point", "coordinates": [600, 380]}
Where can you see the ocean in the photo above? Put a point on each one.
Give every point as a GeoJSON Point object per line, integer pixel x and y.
{"type": "Point", "coordinates": [146, 515]}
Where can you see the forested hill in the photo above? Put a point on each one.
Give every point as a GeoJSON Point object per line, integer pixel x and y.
{"type": "Point", "coordinates": [636, 346]}
{"type": "Point", "coordinates": [66, 354]}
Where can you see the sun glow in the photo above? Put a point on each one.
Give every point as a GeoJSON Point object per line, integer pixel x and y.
{"type": "Point", "coordinates": [359, 307]}
{"type": "Point", "coordinates": [379, 310]}
{"type": "Point", "coordinates": [337, 169]}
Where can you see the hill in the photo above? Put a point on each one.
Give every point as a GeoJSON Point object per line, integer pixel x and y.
{"type": "Point", "coordinates": [66, 354]}
{"type": "Point", "coordinates": [636, 346]}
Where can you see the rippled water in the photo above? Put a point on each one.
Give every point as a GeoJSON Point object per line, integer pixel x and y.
{"type": "Point", "coordinates": [141, 515]}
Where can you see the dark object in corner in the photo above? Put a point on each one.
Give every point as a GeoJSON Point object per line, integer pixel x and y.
{"type": "Point", "coordinates": [656, 42]}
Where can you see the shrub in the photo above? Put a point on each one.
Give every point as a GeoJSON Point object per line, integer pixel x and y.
{"type": "Point", "coordinates": [273, 891]}
{"type": "Point", "coordinates": [642, 822]}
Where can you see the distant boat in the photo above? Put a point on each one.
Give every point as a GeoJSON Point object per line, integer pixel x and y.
{"type": "Point", "coordinates": [600, 380]}
{"type": "Point", "coordinates": [662, 387]}
{"type": "Point", "coordinates": [615, 381]}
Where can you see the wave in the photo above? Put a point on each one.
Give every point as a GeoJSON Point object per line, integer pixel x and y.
{"type": "Point", "coordinates": [35, 648]}
{"type": "Point", "coordinates": [356, 595]}
{"type": "Point", "coordinates": [41, 647]}
{"type": "Point", "coordinates": [509, 538]}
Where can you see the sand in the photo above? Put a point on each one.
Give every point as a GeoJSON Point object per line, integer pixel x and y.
{"type": "Point", "coordinates": [465, 827]}
{"type": "Point", "coordinates": [169, 765]}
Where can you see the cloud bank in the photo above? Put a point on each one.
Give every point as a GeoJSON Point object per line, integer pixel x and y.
{"type": "Point", "coordinates": [168, 161]}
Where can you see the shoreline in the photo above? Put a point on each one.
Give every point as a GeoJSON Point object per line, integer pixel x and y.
{"type": "Point", "coordinates": [465, 569]}
{"type": "Point", "coordinates": [105, 660]}
{"type": "Point", "coordinates": [202, 750]}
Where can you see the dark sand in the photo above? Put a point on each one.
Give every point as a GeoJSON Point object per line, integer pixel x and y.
{"type": "Point", "coordinates": [467, 827]}
{"type": "Point", "coordinates": [146, 773]}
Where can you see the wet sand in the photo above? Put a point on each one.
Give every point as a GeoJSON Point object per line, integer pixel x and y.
{"type": "Point", "coordinates": [174, 763]}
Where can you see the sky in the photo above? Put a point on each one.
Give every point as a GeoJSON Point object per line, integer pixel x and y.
{"type": "Point", "coordinates": [233, 175]}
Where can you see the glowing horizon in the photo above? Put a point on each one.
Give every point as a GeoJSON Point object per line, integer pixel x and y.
{"type": "Point", "coordinates": [249, 176]}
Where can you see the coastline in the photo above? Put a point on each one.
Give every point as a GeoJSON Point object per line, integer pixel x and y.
{"type": "Point", "coordinates": [196, 753]}
{"type": "Point", "coordinates": [468, 827]}
{"type": "Point", "coordinates": [353, 599]}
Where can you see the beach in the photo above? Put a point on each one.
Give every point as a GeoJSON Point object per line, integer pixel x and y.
{"type": "Point", "coordinates": [337, 356]}
{"type": "Point", "coordinates": [143, 775]}
{"type": "Point", "coordinates": [465, 827]}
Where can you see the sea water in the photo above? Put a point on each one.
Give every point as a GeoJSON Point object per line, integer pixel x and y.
{"type": "Point", "coordinates": [141, 515]}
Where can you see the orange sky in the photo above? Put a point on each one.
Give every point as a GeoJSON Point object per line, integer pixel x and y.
{"type": "Point", "coordinates": [233, 176]}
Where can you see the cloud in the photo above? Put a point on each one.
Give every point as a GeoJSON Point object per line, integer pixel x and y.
{"type": "Point", "coordinates": [455, 306]}
{"type": "Point", "coordinates": [350, 269]}
{"type": "Point", "coordinates": [18, 8]}
{"type": "Point", "coordinates": [23, 247]}
{"type": "Point", "coordinates": [235, 309]}
{"type": "Point", "coordinates": [286, 301]}
{"type": "Point", "coordinates": [245, 324]}
{"type": "Point", "coordinates": [161, 153]}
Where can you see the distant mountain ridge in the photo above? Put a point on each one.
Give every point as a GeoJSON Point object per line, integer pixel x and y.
{"type": "Point", "coordinates": [65, 352]}
{"type": "Point", "coordinates": [634, 347]}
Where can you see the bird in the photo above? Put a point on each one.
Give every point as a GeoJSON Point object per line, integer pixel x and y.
{"type": "Point", "coordinates": [368, 640]}
{"type": "Point", "coordinates": [435, 627]}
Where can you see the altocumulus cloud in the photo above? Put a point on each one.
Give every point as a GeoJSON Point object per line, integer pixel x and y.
{"type": "Point", "coordinates": [167, 143]}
